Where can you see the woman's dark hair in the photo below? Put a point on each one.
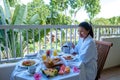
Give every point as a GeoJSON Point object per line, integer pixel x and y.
{"type": "Point", "coordinates": [87, 27]}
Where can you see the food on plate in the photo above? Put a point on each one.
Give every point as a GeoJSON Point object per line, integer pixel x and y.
{"type": "Point", "coordinates": [52, 62]}
{"type": "Point", "coordinates": [67, 69]}
{"type": "Point", "coordinates": [64, 69]}
{"type": "Point", "coordinates": [61, 72]}
{"type": "Point", "coordinates": [50, 72]}
{"type": "Point", "coordinates": [28, 63]}
{"type": "Point", "coordinates": [68, 57]}
{"type": "Point", "coordinates": [49, 64]}
{"type": "Point", "coordinates": [56, 60]}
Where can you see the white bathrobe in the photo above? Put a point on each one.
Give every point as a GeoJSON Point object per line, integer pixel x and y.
{"type": "Point", "coordinates": [88, 55]}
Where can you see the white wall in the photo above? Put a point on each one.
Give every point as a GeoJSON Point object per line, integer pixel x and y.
{"type": "Point", "coordinates": [113, 58]}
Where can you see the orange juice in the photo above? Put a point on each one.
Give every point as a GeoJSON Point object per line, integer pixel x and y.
{"type": "Point", "coordinates": [44, 57]}
{"type": "Point", "coordinates": [55, 53]}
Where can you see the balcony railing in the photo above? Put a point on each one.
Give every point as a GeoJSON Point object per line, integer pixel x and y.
{"type": "Point", "coordinates": [18, 40]}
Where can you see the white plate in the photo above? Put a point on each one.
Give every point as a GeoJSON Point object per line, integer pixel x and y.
{"type": "Point", "coordinates": [73, 57]}
{"type": "Point", "coordinates": [31, 55]}
{"type": "Point", "coordinates": [36, 62]}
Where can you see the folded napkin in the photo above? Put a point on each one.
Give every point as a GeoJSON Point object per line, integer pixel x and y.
{"type": "Point", "coordinates": [31, 55]}
{"type": "Point", "coordinates": [72, 64]}
{"type": "Point", "coordinates": [63, 60]}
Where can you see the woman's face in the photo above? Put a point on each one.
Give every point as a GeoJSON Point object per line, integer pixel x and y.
{"type": "Point", "coordinates": [82, 32]}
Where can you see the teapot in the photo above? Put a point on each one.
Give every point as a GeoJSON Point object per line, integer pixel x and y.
{"type": "Point", "coordinates": [66, 48]}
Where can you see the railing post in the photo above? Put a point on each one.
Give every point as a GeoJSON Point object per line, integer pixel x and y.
{"type": "Point", "coordinates": [0, 52]}
{"type": "Point", "coordinates": [27, 41]}
{"type": "Point", "coordinates": [71, 34]}
{"type": "Point", "coordinates": [33, 40]}
{"type": "Point", "coordinates": [66, 34]}
{"type": "Point", "coordinates": [75, 36]}
{"type": "Point", "coordinates": [98, 33]}
{"type": "Point", "coordinates": [39, 40]}
{"type": "Point", "coordinates": [45, 38]}
{"type": "Point", "coordinates": [21, 48]}
{"type": "Point", "coordinates": [119, 30]}
{"type": "Point", "coordinates": [50, 38]}
{"type": "Point", "coordinates": [60, 37]}
{"type": "Point", "coordinates": [14, 48]}
{"type": "Point", "coordinates": [56, 38]}
{"type": "Point", "coordinates": [6, 40]}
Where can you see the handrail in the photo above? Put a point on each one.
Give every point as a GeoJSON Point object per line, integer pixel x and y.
{"type": "Point", "coordinates": [70, 34]}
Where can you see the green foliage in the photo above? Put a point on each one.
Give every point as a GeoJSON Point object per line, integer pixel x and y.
{"type": "Point", "coordinates": [100, 21]}
{"type": "Point", "coordinates": [60, 19]}
{"type": "Point", "coordinates": [2, 16]}
{"type": "Point", "coordinates": [92, 7]}
{"type": "Point", "coordinates": [39, 13]}
{"type": "Point", "coordinates": [109, 21]}
{"type": "Point", "coordinates": [37, 8]}
{"type": "Point", "coordinates": [19, 14]}
{"type": "Point", "coordinates": [7, 10]}
{"type": "Point", "coordinates": [75, 5]}
{"type": "Point", "coordinates": [59, 5]}
{"type": "Point", "coordinates": [18, 18]}
{"type": "Point", "coordinates": [34, 19]}
{"type": "Point", "coordinates": [13, 2]}
{"type": "Point", "coordinates": [115, 20]}
{"type": "Point", "coordinates": [36, 34]}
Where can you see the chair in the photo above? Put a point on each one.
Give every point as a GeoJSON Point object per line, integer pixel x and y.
{"type": "Point", "coordinates": [103, 48]}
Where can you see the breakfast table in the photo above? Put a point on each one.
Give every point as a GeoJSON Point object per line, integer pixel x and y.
{"type": "Point", "coordinates": [22, 73]}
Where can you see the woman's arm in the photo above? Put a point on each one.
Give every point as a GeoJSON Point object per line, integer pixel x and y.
{"type": "Point", "coordinates": [75, 49]}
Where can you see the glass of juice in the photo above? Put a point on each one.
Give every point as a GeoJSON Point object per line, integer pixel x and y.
{"type": "Point", "coordinates": [44, 57]}
{"type": "Point", "coordinates": [55, 53]}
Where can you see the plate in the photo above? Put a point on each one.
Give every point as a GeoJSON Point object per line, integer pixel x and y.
{"type": "Point", "coordinates": [28, 62]}
{"type": "Point", "coordinates": [69, 57]}
{"type": "Point", "coordinates": [31, 55]}
{"type": "Point", "coordinates": [49, 72]}
{"type": "Point", "coordinates": [56, 60]}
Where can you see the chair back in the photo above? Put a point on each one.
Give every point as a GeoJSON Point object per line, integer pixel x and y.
{"type": "Point", "coordinates": [103, 48]}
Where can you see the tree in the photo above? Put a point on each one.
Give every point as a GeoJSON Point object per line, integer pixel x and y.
{"type": "Point", "coordinates": [13, 2]}
{"type": "Point", "coordinates": [75, 5]}
{"type": "Point", "coordinates": [92, 7]}
{"type": "Point", "coordinates": [100, 21]}
{"type": "Point", "coordinates": [107, 21]}
{"type": "Point", "coordinates": [114, 20]}
{"type": "Point", "coordinates": [37, 12]}
{"type": "Point", "coordinates": [59, 20]}
{"type": "Point", "coordinates": [60, 6]}
{"type": "Point", "coordinates": [57, 7]}
{"type": "Point", "coordinates": [7, 19]}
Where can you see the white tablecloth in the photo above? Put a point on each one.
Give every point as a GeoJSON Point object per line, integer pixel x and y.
{"type": "Point", "coordinates": [23, 74]}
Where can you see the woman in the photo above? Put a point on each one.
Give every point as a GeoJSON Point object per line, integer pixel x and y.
{"type": "Point", "coordinates": [87, 51]}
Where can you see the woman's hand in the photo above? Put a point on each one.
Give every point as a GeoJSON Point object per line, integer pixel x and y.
{"type": "Point", "coordinates": [73, 46]}
{"type": "Point", "coordinates": [74, 53]}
